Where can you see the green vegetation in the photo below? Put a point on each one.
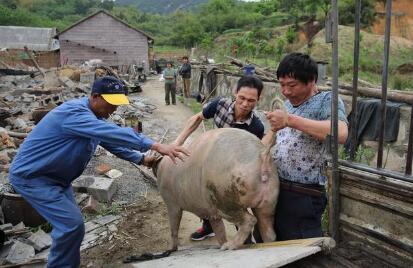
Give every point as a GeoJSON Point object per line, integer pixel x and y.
{"type": "Point", "coordinates": [364, 154]}
{"type": "Point", "coordinates": [371, 57]}
{"type": "Point", "coordinates": [46, 227]}
{"type": "Point", "coordinates": [109, 209]}
{"type": "Point", "coordinates": [181, 28]}
{"type": "Point", "coordinates": [261, 32]}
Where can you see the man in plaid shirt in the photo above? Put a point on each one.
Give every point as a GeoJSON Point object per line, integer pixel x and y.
{"type": "Point", "coordinates": [228, 113]}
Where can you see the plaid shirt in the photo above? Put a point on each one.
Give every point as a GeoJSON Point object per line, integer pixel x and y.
{"type": "Point", "coordinates": [224, 117]}
{"type": "Point", "coordinates": [222, 110]}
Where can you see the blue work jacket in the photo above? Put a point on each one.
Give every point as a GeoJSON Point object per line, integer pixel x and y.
{"type": "Point", "coordinates": [61, 145]}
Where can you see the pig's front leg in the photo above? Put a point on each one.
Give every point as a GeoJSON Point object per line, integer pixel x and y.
{"type": "Point", "coordinates": [175, 215]}
{"type": "Point", "coordinates": [245, 225]}
{"type": "Point", "coordinates": [219, 230]}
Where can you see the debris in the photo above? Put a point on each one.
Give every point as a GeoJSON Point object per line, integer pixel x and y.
{"type": "Point", "coordinates": [100, 188]}
{"type": "Point", "coordinates": [6, 141]}
{"type": "Point", "coordinates": [67, 82]}
{"type": "Point", "coordinates": [4, 158]}
{"type": "Point", "coordinates": [102, 168]}
{"type": "Point", "coordinates": [7, 226]}
{"type": "Point", "coordinates": [5, 250]}
{"type": "Point", "coordinates": [20, 252]}
{"type": "Point", "coordinates": [20, 124]}
{"type": "Point", "coordinates": [91, 206]}
{"type": "Point", "coordinates": [87, 78]}
{"type": "Point", "coordinates": [112, 228]}
{"type": "Point", "coordinates": [80, 197]}
{"type": "Point", "coordinates": [34, 61]}
{"type": "Point", "coordinates": [40, 240]}
{"type": "Point", "coordinates": [97, 230]}
{"type": "Point", "coordinates": [114, 174]}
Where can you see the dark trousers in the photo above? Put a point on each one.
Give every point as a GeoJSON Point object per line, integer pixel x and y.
{"type": "Point", "coordinates": [297, 216]}
{"type": "Point", "coordinates": [170, 89]}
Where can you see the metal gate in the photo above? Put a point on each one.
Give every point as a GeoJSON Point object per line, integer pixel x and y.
{"type": "Point", "coordinates": [371, 205]}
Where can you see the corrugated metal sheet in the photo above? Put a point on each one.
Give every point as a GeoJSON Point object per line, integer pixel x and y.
{"type": "Point", "coordinates": [38, 39]}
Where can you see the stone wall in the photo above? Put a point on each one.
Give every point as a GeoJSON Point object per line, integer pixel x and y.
{"type": "Point", "coordinates": [394, 154]}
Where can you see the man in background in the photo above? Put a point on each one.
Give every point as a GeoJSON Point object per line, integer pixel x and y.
{"type": "Point", "coordinates": [185, 73]}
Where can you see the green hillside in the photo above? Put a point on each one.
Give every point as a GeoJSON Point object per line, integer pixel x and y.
{"type": "Point", "coordinates": [162, 6]}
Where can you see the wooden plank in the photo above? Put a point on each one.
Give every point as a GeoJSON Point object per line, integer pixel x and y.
{"type": "Point", "coordinates": [212, 257]}
{"type": "Point", "coordinates": [317, 241]}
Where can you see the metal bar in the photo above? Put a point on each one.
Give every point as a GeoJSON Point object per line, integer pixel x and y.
{"type": "Point", "coordinates": [384, 83]}
{"type": "Point", "coordinates": [356, 60]}
{"type": "Point", "coordinates": [378, 171]}
{"type": "Point", "coordinates": [334, 127]}
{"type": "Point", "coordinates": [409, 157]}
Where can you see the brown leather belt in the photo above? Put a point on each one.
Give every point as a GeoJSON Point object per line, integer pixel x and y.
{"type": "Point", "coordinates": [313, 190]}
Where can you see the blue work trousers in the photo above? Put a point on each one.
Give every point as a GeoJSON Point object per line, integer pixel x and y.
{"type": "Point", "coordinates": [58, 206]}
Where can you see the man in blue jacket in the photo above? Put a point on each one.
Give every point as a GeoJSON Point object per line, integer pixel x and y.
{"type": "Point", "coordinates": [58, 150]}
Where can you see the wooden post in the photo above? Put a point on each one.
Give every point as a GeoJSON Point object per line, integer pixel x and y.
{"type": "Point", "coordinates": [34, 61]}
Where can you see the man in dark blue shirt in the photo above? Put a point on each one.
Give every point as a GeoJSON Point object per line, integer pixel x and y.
{"type": "Point", "coordinates": [228, 113]}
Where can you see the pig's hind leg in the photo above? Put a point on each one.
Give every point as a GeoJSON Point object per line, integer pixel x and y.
{"type": "Point", "coordinates": [245, 222]}
{"type": "Point", "coordinates": [175, 215]}
{"type": "Point", "coordinates": [265, 217]}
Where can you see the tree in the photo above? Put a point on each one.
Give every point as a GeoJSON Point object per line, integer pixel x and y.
{"type": "Point", "coordinates": [107, 4]}
{"type": "Point", "coordinates": [347, 12]}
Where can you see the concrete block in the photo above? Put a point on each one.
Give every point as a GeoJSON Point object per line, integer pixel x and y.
{"type": "Point", "coordinates": [20, 252]}
{"type": "Point", "coordinates": [40, 240]}
{"type": "Point", "coordinates": [100, 188]}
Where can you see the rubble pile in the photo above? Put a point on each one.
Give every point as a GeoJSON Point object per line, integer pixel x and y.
{"type": "Point", "coordinates": [28, 246]}
{"type": "Point", "coordinates": [24, 100]}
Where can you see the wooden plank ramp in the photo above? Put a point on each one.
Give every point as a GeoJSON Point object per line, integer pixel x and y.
{"type": "Point", "coordinates": [275, 254]}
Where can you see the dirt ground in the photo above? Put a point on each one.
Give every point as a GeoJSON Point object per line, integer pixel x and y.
{"type": "Point", "coordinates": [144, 226]}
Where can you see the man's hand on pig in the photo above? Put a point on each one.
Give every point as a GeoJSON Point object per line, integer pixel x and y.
{"type": "Point", "coordinates": [172, 150]}
{"type": "Point", "coordinates": [278, 119]}
{"type": "Point", "coordinates": [149, 160]}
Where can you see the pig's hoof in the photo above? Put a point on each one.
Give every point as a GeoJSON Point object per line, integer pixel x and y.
{"type": "Point", "coordinates": [228, 246]}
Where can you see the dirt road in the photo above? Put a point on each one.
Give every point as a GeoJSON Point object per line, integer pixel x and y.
{"type": "Point", "coordinates": [144, 226]}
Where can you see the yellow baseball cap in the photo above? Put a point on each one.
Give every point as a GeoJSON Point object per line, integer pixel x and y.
{"type": "Point", "coordinates": [111, 89]}
{"type": "Point", "coordinates": [116, 99]}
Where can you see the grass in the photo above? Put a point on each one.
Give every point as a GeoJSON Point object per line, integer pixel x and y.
{"type": "Point", "coordinates": [371, 57]}
{"type": "Point", "coordinates": [196, 107]}
{"type": "Point", "coordinates": [110, 209]}
{"type": "Point", "coordinates": [170, 50]}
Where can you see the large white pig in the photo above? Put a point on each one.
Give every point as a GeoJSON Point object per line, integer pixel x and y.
{"type": "Point", "coordinates": [228, 171]}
